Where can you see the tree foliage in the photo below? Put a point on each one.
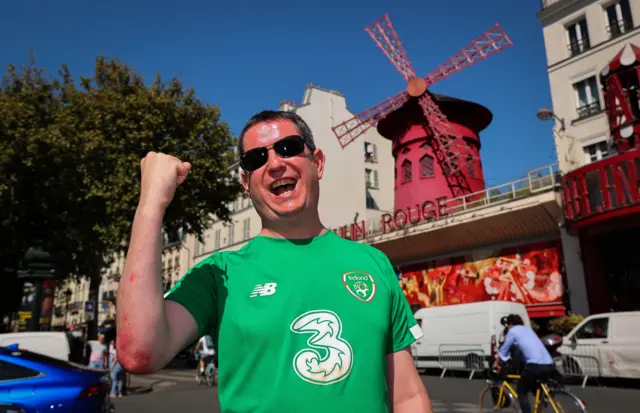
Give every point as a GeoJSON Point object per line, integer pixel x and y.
{"type": "Point", "coordinates": [70, 156]}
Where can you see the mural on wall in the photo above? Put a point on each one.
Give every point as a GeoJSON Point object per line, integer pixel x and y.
{"type": "Point", "coordinates": [529, 274]}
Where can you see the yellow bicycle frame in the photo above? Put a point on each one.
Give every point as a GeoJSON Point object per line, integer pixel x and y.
{"type": "Point", "coordinates": [539, 395]}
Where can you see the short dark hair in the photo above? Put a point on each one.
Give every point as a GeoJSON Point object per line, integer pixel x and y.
{"type": "Point", "coordinates": [514, 319]}
{"type": "Point", "coordinates": [271, 115]}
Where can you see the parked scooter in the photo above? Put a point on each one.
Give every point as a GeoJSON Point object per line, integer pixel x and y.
{"type": "Point", "coordinates": [552, 343]}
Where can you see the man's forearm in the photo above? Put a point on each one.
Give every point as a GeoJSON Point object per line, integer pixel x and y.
{"type": "Point", "coordinates": [418, 403]}
{"type": "Point", "coordinates": [141, 317]}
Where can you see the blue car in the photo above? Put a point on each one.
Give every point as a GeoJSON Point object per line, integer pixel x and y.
{"type": "Point", "coordinates": [35, 383]}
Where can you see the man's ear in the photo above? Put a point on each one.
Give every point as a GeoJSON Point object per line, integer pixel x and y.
{"type": "Point", "coordinates": [318, 160]}
{"type": "Point", "coordinates": [245, 181]}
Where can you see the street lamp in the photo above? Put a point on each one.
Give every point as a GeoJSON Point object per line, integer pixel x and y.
{"type": "Point", "coordinates": [545, 114]}
{"type": "Point", "coordinates": [67, 298]}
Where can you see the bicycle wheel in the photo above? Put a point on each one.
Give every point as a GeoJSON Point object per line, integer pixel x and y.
{"type": "Point", "coordinates": [497, 398]}
{"type": "Point", "coordinates": [565, 402]}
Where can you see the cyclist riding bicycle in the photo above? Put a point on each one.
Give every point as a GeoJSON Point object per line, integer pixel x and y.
{"type": "Point", "coordinates": [205, 351]}
{"type": "Point", "coordinates": [538, 364]}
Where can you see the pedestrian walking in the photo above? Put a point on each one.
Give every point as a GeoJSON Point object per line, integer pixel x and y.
{"type": "Point", "coordinates": [117, 372]}
{"type": "Point", "coordinates": [98, 356]}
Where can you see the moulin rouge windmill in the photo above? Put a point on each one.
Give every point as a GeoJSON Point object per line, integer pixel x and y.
{"type": "Point", "coordinates": [417, 123]}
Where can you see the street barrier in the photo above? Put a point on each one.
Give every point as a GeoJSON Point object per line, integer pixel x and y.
{"type": "Point", "coordinates": [581, 360]}
{"type": "Point", "coordinates": [461, 357]}
{"type": "Point", "coordinates": [414, 354]}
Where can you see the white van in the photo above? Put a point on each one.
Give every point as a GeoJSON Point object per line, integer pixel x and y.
{"type": "Point", "coordinates": [50, 343]}
{"type": "Point", "coordinates": [462, 336]}
{"type": "Point", "coordinates": [604, 345]}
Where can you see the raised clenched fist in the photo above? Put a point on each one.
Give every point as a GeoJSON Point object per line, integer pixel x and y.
{"type": "Point", "coordinates": [161, 175]}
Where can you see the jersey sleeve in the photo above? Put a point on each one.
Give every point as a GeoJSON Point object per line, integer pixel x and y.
{"type": "Point", "coordinates": [404, 327]}
{"type": "Point", "coordinates": [197, 291]}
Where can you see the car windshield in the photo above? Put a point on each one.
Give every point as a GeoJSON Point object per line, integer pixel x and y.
{"type": "Point", "coordinates": [41, 358]}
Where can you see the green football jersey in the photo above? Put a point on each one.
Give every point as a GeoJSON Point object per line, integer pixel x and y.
{"type": "Point", "coordinates": [300, 326]}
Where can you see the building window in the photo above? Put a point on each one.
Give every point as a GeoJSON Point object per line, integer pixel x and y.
{"type": "Point", "coordinates": [230, 235]}
{"type": "Point", "coordinates": [587, 97]}
{"type": "Point", "coordinates": [426, 166]}
{"type": "Point", "coordinates": [200, 246]}
{"type": "Point", "coordinates": [371, 178]}
{"type": "Point", "coordinates": [618, 18]}
{"type": "Point", "coordinates": [370, 152]}
{"type": "Point", "coordinates": [578, 37]}
{"type": "Point", "coordinates": [371, 203]}
{"type": "Point", "coordinates": [406, 171]}
{"type": "Point", "coordinates": [246, 228]}
{"type": "Point", "coordinates": [216, 244]}
{"type": "Point", "coordinates": [597, 151]}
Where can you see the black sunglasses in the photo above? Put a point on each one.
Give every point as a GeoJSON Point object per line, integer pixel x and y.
{"type": "Point", "coordinates": [286, 147]}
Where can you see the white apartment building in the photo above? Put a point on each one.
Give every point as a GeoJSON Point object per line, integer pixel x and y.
{"type": "Point", "coordinates": [581, 37]}
{"type": "Point", "coordinates": [358, 181]}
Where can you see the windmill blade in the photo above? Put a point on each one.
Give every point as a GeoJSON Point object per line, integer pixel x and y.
{"type": "Point", "coordinates": [490, 42]}
{"type": "Point", "coordinates": [385, 36]}
{"type": "Point", "coordinates": [349, 130]}
{"type": "Point", "coordinates": [449, 147]}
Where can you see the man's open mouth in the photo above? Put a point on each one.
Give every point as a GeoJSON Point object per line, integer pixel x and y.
{"type": "Point", "coordinates": [283, 187]}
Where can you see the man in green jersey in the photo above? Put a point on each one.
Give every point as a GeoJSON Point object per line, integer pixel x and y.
{"type": "Point", "coordinates": [303, 320]}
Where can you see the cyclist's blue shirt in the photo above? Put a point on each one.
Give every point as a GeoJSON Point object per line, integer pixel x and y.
{"type": "Point", "coordinates": [531, 348]}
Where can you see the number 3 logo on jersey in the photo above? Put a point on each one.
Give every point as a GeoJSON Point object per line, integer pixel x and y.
{"type": "Point", "coordinates": [325, 328]}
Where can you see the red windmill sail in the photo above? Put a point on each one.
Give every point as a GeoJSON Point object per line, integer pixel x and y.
{"type": "Point", "coordinates": [449, 148]}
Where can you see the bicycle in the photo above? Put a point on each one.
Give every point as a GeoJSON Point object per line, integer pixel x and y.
{"type": "Point", "coordinates": [500, 394]}
{"type": "Point", "coordinates": [210, 374]}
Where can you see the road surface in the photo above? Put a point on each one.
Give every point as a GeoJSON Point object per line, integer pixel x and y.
{"type": "Point", "coordinates": [175, 390]}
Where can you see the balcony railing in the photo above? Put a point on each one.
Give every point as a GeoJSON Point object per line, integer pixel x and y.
{"type": "Point", "coordinates": [537, 181]}
{"type": "Point", "coordinates": [579, 46]}
{"type": "Point", "coordinates": [618, 28]}
{"type": "Point", "coordinates": [589, 110]}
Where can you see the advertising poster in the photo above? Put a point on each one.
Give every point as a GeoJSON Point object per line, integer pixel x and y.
{"type": "Point", "coordinates": [529, 274]}
{"type": "Point", "coordinates": [48, 288]}
{"type": "Point", "coordinates": [27, 305]}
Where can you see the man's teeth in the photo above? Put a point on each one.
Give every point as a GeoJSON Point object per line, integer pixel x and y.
{"type": "Point", "coordinates": [283, 182]}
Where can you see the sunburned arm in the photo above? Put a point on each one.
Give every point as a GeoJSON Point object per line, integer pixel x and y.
{"type": "Point", "coordinates": [151, 331]}
{"type": "Point", "coordinates": [406, 390]}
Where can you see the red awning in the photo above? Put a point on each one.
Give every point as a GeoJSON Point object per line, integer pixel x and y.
{"type": "Point", "coordinates": [546, 310]}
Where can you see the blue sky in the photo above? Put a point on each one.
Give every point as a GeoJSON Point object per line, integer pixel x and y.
{"type": "Point", "coordinates": [249, 55]}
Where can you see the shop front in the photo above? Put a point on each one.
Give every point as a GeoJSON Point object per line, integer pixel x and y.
{"type": "Point", "coordinates": [511, 251]}
{"type": "Point", "coordinates": [602, 208]}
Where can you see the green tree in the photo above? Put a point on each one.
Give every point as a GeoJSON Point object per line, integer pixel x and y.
{"type": "Point", "coordinates": [70, 160]}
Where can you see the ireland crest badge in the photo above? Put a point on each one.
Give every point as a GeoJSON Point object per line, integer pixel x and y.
{"type": "Point", "coordinates": [360, 284]}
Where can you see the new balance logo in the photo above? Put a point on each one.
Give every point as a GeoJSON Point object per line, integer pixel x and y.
{"type": "Point", "coordinates": [262, 290]}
